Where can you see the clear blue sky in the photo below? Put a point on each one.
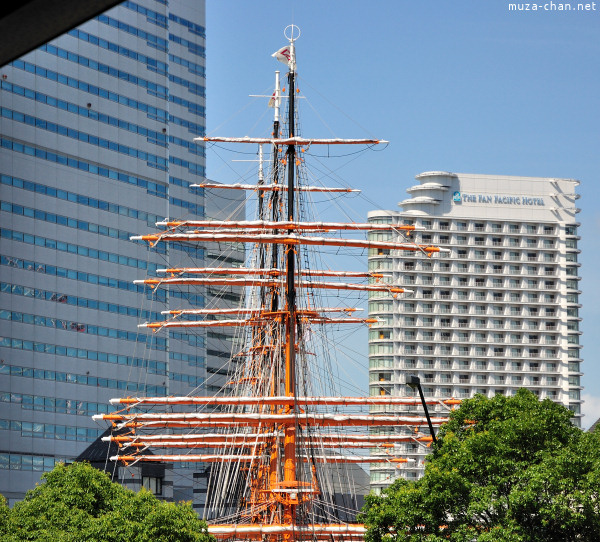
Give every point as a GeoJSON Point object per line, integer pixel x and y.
{"type": "Point", "coordinates": [465, 86]}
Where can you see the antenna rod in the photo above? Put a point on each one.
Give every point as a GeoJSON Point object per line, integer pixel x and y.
{"type": "Point", "coordinates": [275, 196]}
{"type": "Point", "coordinates": [277, 100]}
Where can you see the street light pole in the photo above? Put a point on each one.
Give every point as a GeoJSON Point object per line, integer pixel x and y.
{"type": "Point", "coordinates": [413, 382]}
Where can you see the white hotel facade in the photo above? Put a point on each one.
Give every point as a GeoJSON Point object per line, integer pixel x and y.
{"type": "Point", "coordinates": [498, 312]}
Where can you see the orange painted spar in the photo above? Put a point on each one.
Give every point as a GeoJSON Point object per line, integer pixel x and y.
{"type": "Point", "coordinates": [314, 529]}
{"type": "Point", "coordinates": [218, 458]}
{"type": "Point", "coordinates": [194, 424]}
{"type": "Point", "coordinates": [302, 141]}
{"type": "Point", "coordinates": [259, 418]}
{"type": "Point", "coordinates": [272, 187]}
{"type": "Point", "coordinates": [269, 272]}
{"type": "Point", "coordinates": [254, 322]}
{"type": "Point", "coordinates": [246, 438]}
{"type": "Point", "coordinates": [283, 225]}
{"type": "Point", "coordinates": [246, 444]}
{"type": "Point", "coordinates": [270, 283]}
{"type": "Point", "coordinates": [197, 442]}
{"type": "Point", "coordinates": [249, 438]}
{"type": "Point", "coordinates": [242, 237]}
{"type": "Point", "coordinates": [281, 400]}
{"type": "Point", "coordinates": [256, 311]}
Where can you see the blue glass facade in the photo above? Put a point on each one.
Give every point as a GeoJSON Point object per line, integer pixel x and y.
{"type": "Point", "coordinates": [97, 144]}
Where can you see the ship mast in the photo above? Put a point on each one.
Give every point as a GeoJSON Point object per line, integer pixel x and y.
{"type": "Point", "coordinates": [269, 440]}
{"type": "Point", "coordinates": [289, 447]}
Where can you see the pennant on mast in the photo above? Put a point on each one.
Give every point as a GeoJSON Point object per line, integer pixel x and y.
{"type": "Point", "coordinates": [283, 55]}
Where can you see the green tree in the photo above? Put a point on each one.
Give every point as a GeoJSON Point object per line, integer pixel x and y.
{"type": "Point", "coordinates": [78, 503]}
{"type": "Point", "coordinates": [504, 469]}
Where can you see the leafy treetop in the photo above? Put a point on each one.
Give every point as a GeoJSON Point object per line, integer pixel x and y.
{"type": "Point", "coordinates": [504, 469]}
{"type": "Point", "coordinates": [80, 503]}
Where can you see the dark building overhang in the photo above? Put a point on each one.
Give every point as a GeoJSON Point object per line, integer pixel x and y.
{"type": "Point", "coordinates": [98, 453]}
{"type": "Point", "coordinates": [25, 25]}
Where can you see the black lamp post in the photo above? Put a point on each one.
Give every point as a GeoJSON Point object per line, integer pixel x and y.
{"type": "Point", "coordinates": [413, 382]}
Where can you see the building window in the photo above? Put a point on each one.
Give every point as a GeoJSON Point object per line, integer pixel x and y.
{"type": "Point", "coordinates": [152, 484]}
{"type": "Point", "coordinates": [574, 394]}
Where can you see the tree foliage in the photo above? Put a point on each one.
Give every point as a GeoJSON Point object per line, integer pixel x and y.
{"type": "Point", "coordinates": [80, 503]}
{"type": "Point", "coordinates": [504, 469]}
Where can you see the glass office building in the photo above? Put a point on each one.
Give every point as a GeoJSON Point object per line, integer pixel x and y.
{"type": "Point", "coordinates": [498, 312]}
{"type": "Point", "coordinates": [97, 133]}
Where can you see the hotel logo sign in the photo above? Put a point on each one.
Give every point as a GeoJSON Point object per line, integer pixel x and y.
{"type": "Point", "coordinates": [496, 199]}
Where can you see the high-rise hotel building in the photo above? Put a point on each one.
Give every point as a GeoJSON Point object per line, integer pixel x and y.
{"type": "Point", "coordinates": [96, 132]}
{"type": "Point", "coordinates": [498, 312]}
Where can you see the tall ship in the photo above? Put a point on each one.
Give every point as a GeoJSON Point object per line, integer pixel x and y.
{"type": "Point", "coordinates": [279, 436]}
